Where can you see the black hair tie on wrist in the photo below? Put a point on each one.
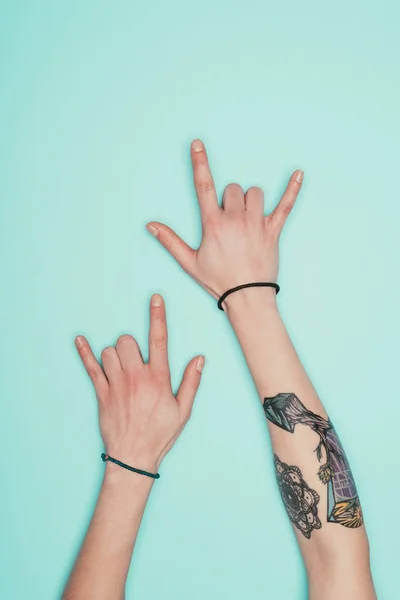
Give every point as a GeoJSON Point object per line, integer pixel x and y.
{"type": "Point", "coordinates": [246, 285]}
{"type": "Point", "coordinates": [105, 457]}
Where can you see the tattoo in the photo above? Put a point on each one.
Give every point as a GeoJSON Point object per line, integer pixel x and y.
{"type": "Point", "coordinates": [286, 411]}
{"type": "Point", "coordinates": [299, 499]}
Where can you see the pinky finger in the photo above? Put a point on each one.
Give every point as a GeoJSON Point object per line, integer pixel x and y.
{"type": "Point", "coordinates": [280, 214]}
{"type": "Point", "coordinates": [92, 366]}
{"type": "Point", "coordinates": [189, 385]}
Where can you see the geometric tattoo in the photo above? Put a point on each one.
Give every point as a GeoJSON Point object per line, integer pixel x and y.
{"type": "Point", "coordinates": [300, 500]}
{"type": "Point", "coordinates": [286, 411]}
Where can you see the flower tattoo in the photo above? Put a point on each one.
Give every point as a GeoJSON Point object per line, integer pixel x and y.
{"type": "Point", "coordinates": [287, 412]}
{"type": "Point", "coordinates": [299, 499]}
{"type": "Point", "coordinates": [325, 473]}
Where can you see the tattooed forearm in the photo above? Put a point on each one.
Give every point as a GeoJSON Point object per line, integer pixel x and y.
{"type": "Point", "coordinates": [299, 499]}
{"type": "Point", "coordinates": [286, 411]}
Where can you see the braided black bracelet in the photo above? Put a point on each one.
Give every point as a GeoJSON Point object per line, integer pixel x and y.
{"type": "Point", "coordinates": [246, 285]}
{"type": "Point", "coordinates": [105, 457]}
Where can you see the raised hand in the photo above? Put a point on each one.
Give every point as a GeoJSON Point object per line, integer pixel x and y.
{"type": "Point", "coordinates": [140, 418]}
{"type": "Point", "coordinates": [239, 244]}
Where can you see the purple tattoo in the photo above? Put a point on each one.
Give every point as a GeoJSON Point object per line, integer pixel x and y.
{"type": "Point", "coordinates": [286, 411]}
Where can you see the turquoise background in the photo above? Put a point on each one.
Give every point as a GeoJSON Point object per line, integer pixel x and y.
{"type": "Point", "coordinates": [99, 102]}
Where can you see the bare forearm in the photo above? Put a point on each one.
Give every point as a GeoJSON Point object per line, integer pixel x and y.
{"type": "Point", "coordinates": [269, 352]}
{"type": "Point", "coordinates": [140, 420]}
{"type": "Point", "coordinates": [312, 471]}
{"type": "Point", "coordinates": [101, 568]}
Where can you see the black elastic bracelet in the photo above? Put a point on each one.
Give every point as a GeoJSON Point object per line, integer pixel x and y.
{"type": "Point", "coordinates": [105, 457]}
{"type": "Point", "coordinates": [242, 287]}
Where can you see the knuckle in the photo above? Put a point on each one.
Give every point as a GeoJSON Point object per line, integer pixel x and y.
{"type": "Point", "coordinates": [125, 338]}
{"type": "Point", "coordinates": [159, 319]}
{"type": "Point", "coordinates": [255, 191]}
{"type": "Point", "coordinates": [169, 240]}
{"type": "Point", "coordinates": [233, 188]}
{"type": "Point", "coordinates": [95, 373]}
{"type": "Point", "coordinates": [213, 221]}
{"type": "Point", "coordinates": [205, 186]}
{"type": "Point", "coordinates": [107, 352]}
{"type": "Point", "coordinates": [158, 341]}
{"type": "Point", "coordinates": [162, 375]}
{"type": "Point", "coordinates": [285, 209]}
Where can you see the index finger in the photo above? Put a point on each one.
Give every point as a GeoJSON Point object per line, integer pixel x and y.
{"type": "Point", "coordinates": [158, 336]}
{"type": "Point", "coordinates": [203, 181]}
{"type": "Point", "coordinates": [91, 365]}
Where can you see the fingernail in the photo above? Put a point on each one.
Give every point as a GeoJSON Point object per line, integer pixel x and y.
{"type": "Point", "coordinates": [197, 146]}
{"type": "Point", "coordinates": [156, 300]}
{"type": "Point", "coordinates": [201, 361]}
{"type": "Point", "coordinates": [79, 341]}
{"type": "Point", "coordinates": [299, 176]}
{"type": "Point", "coordinates": [153, 230]}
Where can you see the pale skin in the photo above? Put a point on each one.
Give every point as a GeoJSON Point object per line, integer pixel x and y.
{"type": "Point", "coordinates": [140, 419]}
{"type": "Point", "coordinates": [240, 245]}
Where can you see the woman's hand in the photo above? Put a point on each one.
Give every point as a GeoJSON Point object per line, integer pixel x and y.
{"type": "Point", "coordinates": [140, 418]}
{"type": "Point", "coordinates": [239, 244]}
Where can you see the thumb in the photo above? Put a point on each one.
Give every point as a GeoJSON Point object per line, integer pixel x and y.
{"type": "Point", "coordinates": [183, 254]}
{"type": "Point", "coordinates": [189, 385]}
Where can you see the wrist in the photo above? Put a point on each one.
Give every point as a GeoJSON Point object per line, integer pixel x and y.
{"type": "Point", "coordinates": [249, 301]}
{"type": "Point", "coordinates": [143, 461]}
{"type": "Point", "coordinates": [139, 457]}
{"type": "Point", "coordinates": [118, 478]}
